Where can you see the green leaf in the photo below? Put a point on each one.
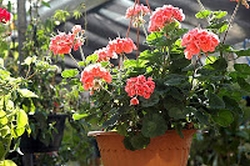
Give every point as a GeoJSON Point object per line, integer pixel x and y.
{"type": "Point", "coordinates": [139, 141]}
{"type": "Point", "coordinates": [242, 68]}
{"type": "Point", "coordinates": [223, 118]}
{"type": "Point", "coordinates": [8, 163]}
{"type": "Point", "coordinates": [203, 14]}
{"type": "Point", "coordinates": [45, 4]}
{"type": "Point", "coordinates": [2, 113]}
{"type": "Point", "coordinates": [154, 99]}
{"type": "Point", "coordinates": [136, 142]}
{"type": "Point", "coordinates": [244, 84]}
{"type": "Point", "coordinates": [242, 52]}
{"type": "Point", "coordinates": [215, 102]}
{"type": "Point", "coordinates": [210, 59]}
{"type": "Point", "coordinates": [153, 125]}
{"type": "Point", "coordinates": [4, 74]}
{"type": "Point", "coordinates": [243, 134]}
{"type": "Point", "coordinates": [232, 105]}
{"type": "Point", "coordinates": [2, 152]}
{"type": "Point", "coordinates": [122, 129]}
{"type": "Point", "coordinates": [29, 60]}
{"type": "Point", "coordinates": [61, 15]}
{"type": "Point", "coordinates": [175, 80]}
{"type": "Point", "coordinates": [156, 39]}
{"type": "Point", "coordinates": [77, 14]}
{"type": "Point", "coordinates": [201, 116]}
{"type": "Point", "coordinates": [219, 64]}
{"type": "Point", "coordinates": [219, 14]}
{"type": "Point", "coordinates": [27, 93]}
{"type": "Point", "coordinates": [22, 118]}
{"type": "Point", "coordinates": [68, 73]}
{"type": "Point", "coordinates": [78, 116]}
{"type": "Point", "coordinates": [81, 63]}
{"type": "Point", "coordinates": [5, 131]}
{"type": "Point", "coordinates": [1, 62]}
{"type": "Point", "coordinates": [112, 120]}
{"type": "Point", "coordinates": [91, 58]}
{"type": "Point", "coordinates": [19, 131]}
{"type": "Point", "coordinates": [223, 28]}
{"type": "Point", "coordinates": [177, 113]}
{"type": "Point", "coordinates": [127, 143]}
{"type": "Point", "coordinates": [3, 120]}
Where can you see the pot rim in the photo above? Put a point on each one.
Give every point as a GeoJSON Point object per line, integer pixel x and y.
{"type": "Point", "coordinates": [96, 133]}
{"type": "Point", "coordinates": [114, 132]}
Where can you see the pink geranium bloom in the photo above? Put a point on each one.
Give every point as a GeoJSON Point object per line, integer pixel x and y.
{"type": "Point", "coordinates": [4, 15]}
{"type": "Point", "coordinates": [77, 43]}
{"type": "Point", "coordinates": [122, 45]}
{"type": "Point", "coordinates": [198, 40]}
{"type": "Point", "coordinates": [61, 43]}
{"type": "Point", "coordinates": [134, 101]}
{"type": "Point", "coordinates": [137, 10]}
{"type": "Point", "coordinates": [76, 29]}
{"type": "Point", "coordinates": [104, 54]}
{"type": "Point", "coordinates": [140, 86]}
{"type": "Point", "coordinates": [164, 15]}
{"type": "Point", "coordinates": [93, 75]}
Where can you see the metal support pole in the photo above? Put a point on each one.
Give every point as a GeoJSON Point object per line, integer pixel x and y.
{"type": "Point", "coordinates": [22, 26]}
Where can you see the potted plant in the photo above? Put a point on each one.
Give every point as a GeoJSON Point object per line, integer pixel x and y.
{"type": "Point", "coordinates": [181, 81]}
{"type": "Point", "coordinates": [48, 112]}
{"type": "Point", "coordinates": [56, 100]}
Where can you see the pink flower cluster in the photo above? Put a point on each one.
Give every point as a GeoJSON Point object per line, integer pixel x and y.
{"type": "Point", "coordinates": [63, 43]}
{"type": "Point", "coordinates": [114, 47]}
{"type": "Point", "coordinates": [197, 40]}
{"type": "Point", "coordinates": [104, 54]}
{"type": "Point", "coordinates": [137, 10]}
{"type": "Point", "coordinates": [122, 45]}
{"type": "Point", "coordinates": [139, 86]}
{"type": "Point", "coordinates": [93, 75]}
{"type": "Point", "coordinates": [4, 15]}
{"type": "Point", "coordinates": [164, 15]}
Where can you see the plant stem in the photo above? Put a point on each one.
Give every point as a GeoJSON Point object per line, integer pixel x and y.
{"type": "Point", "coordinates": [72, 57]}
{"type": "Point", "coordinates": [144, 30]}
{"type": "Point", "coordinates": [82, 54]}
{"type": "Point", "coordinates": [106, 90]}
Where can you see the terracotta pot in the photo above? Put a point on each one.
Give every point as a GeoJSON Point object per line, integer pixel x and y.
{"type": "Point", "coordinates": [166, 150]}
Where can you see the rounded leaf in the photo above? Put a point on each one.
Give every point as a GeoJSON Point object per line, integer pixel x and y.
{"type": "Point", "coordinates": [224, 118]}
{"type": "Point", "coordinates": [153, 125]}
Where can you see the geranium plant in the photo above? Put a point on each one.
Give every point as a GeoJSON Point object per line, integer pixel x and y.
{"type": "Point", "coordinates": [181, 80]}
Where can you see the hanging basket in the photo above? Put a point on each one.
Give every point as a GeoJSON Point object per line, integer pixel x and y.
{"type": "Point", "coordinates": [30, 145]}
{"type": "Point", "coordinates": [166, 150]}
